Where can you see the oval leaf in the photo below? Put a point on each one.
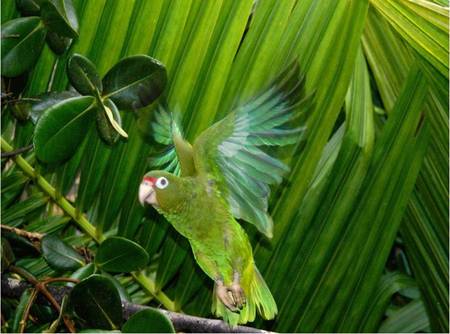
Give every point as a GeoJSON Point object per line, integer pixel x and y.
{"type": "Point", "coordinates": [123, 293]}
{"type": "Point", "coordinates": [83, 272]}
{"type": "Point", "coordinates": [97, 301]}
{"type": "Point", "coordinates": [104, 126]}
{"type": "Point", "coordinates": [21, 44]}
{"type": "Point", "coordinates": [60, 17]}
{"type": "Point", "coordinates": [58, 44]}
{"type": "Point", "coordinates": [41, 103]}
{"type": "Point", "coordinates": [148, 321]}
{"type": "Point", "coordinates": [59, 255]}
{"type": "Point", "coordinates": [83, 75]}
{"type": "Point", "coordinates": [29, 7]}
{"type": "Point", "coordinates": [135, 82]}
{"type": "Point", "coordinates": [20, 246]}
{"type": "Point", "coordinates": [117, 254]}
{"type": "Point", "coordinates": [61, 129]}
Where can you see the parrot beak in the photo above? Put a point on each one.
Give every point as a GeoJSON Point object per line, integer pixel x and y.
{"type": "Point", "coordinates": [147, 194]}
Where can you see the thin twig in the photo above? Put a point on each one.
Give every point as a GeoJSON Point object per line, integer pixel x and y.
{"type": "Point", "coordinates": [23, 321]}
{"type": "Point", "coordinates": [16, 151]}
{"type": "Point", "coordinates": [182, 322]}
{"type": "Point", "coordinates": [33, 236]}
{"type": "Point", "coordinates": [41, 287]}
{"type": "Point", "coordinates": [60, 279]}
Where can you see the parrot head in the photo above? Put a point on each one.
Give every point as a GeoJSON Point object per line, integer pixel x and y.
{"type": "Point", "coordinates": [161, 190]}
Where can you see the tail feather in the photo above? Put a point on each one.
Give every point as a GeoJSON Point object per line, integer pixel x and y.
{"type": "Point", "coordinates": [263, 297]}
{"type": "Point", "coordinates": [259, 298]}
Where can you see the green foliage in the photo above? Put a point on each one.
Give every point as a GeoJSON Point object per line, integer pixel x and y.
{"type": "Point", "coordinates": [22, 42]}
{"type": "Point", "coordinates": [117, 254]}
{"type": "Point", "coordinates": [62, 126]}
{"type": "Point", "coordinates": [59, 130]}
{"type": "Point", "coordinates": [21, 307]}
{"type": "Point", "coordinates": [148, 321]}
{"type": "Point", "coordinates": [60, 17]}
{"type": "Point", "coordinates": [360, 240]}
{"type": "Point", "coordinates": [134, 82]}
{"type": "Point", "coordinates": [83, 75]}
{"type": "Point", "coordinates": [59, 255]}
{"type": "Point", "coordinates": [96, 301]}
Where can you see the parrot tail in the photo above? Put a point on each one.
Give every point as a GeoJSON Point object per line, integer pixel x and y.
{"type": "Point", "coordinates": [259, 298]}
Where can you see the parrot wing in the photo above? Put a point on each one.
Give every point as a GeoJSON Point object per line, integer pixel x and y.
{"type": "Point", "coordinates": [177, 157]}
{"type": "Point", "coordinates": [230, 149]}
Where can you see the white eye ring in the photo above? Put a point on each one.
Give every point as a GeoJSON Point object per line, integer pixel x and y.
{"type": "Point", "coordinates": [162, 183]}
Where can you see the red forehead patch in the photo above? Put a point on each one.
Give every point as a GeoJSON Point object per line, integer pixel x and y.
{"type": "Point", "coordinates": [150, 179]}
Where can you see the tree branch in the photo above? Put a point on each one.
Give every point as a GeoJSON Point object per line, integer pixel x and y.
{"type": "Point", "coordinates": [13, 288]}
{"type": "Point", "coordinates": [32, 236]}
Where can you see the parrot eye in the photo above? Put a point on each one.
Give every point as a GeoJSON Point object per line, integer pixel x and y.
{"type": "Point", "coordinates": [162, 183]}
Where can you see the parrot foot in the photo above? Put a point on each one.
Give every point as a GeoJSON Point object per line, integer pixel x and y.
{"type": "Point", "coordinates": [225, 295]}
{"type": "Point", "coordinates": [232, 296]}
{"type": "Point", "coordinates": [237, 292]}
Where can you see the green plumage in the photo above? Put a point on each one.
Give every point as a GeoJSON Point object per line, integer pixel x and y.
{"type": "Point", "coordinates": [225, 176]}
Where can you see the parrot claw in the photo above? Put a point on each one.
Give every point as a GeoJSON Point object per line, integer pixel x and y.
{"type": "Point", "coordinates": [225, 296]}
{"type": "Point", "coordinates": [237, 292]}
{"type": "Point", "coordinates": [238, 295]}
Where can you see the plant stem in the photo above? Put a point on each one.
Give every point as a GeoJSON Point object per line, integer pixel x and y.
{"type": "Point", "coordinates": [23, 321]}
{"type": "Point", "coordinates": [40, 287]}
{"type": "Point", "coordinates": [82, 222]}
{"type": "Point", "coordinates": [149, 285]}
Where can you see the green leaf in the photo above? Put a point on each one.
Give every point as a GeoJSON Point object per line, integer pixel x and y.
{"type": "Point", "coordinates": [22, 208]}
{"type": "Point", "coordinates": [425, 226]}
{"type": "Point", "coordinates": [58, 44]}
{"type": "Point", "coordinates": [83, 75]}
{"type": "Point", "coordinates": [104, 126]}
{"type": "Point", "coordinates": [12, 186]}
{"type": "Point", "coordinates": [60, 17]}
{"type": "Point", "coordinates": [428, 37]}
{"type": "Point", "coordinates": [135, 82]}
{"type": "Point", "coordinates": [97, 301]}
{"type": "Point", "coordinates": [124, 295]}
{"type": "Point", "coordinates": [21, 246]}
{"type": "Point", "coordinates": [29, 7]}
{"type": "Point", "coordinates": [61, 129]}
{"type": "Point", "coordinates": [148, 321]}
{"type": "Point", "coordinates": [7, 254]}
{"type": "Point", "coordinates": [20, 310]}
{"type": "Point", "coordinates": [389, 284]}
{"type": "Point", "coordinates": [83, 272]}
{"type": "Point", "coordinates": [117, 254]}
{"type": "Point", "coordinates": [21, 44]}
{"type": "Point", "coordinates": [39, 104]}
{"type": "Point", "coordinates": [411, 318]}
{"type": "Point", "coordinates": [59, 255]}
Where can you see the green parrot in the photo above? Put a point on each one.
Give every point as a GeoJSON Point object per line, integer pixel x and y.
{"type": "Point", "coordinates": [222, 177]}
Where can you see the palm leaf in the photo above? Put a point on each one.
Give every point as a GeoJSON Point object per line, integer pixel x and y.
{"type": "Point", "coordinates": [337, 216]}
